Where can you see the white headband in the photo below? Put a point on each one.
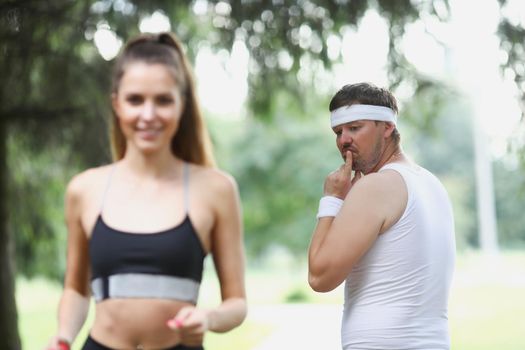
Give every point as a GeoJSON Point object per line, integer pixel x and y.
{"type": "Point", "coordinates": [348, 114]}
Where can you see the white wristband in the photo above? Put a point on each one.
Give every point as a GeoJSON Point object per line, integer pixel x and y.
{"type": "Point", "coordinates": [329, 206]}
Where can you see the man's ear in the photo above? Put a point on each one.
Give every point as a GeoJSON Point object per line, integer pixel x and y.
{"type": "Point", "coordinates": [389, 129]}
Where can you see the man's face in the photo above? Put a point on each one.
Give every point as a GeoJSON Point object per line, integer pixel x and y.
{"type": "Point", "coordinates": [364, 138]}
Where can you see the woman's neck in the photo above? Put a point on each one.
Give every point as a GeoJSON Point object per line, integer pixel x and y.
{"type": "Point", "coordinates": [154, 165]}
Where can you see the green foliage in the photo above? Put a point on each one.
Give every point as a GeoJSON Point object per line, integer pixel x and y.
{"type": "Point", "coordinates": [54, 94]}
{"type": "Point", "coordinates": [441, 139]}
{"type": "Point", "coordinates": [298, 30]}
{"type": "Point", "coordinates": [36, 222]}
{"type": "Point", "coordinates": [432, 136]}
{"type": "Point", "coordinates": [297, 294]}
{"type": "Point", "coordinates": [58, 93]}
{"type": "Point", "coordinates": [281, 182]}
{"type": "Point", "coordinates": [280, 167]}
{"type": "Point", "coordinates": [510, 201]}
{"type": "Point", "coordinates": [512, 43]}
{"type": "Point", "coordinates": [54, 88]}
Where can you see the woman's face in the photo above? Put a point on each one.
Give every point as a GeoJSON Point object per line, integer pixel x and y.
{"type": "Point", "coordinates": [148, 105]}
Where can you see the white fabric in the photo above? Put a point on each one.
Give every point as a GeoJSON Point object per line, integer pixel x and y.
{"type": "Point", "coordinates": [348, 114]}
{"type": "Point", "coordinates": [329, 206]}
{"type": "Point", "coordinates": [142, 285]}
{"type": "Point", "coordinates": [396, 296]}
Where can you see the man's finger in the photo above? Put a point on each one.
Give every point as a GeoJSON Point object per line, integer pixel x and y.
{"type": "Point", "coordinates": [348, 163]}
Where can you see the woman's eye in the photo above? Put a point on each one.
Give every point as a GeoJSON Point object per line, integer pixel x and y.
{"type": "Point", "coordinates": [134, 99]}
{"type": "Point", "coordinates": [164, 100]}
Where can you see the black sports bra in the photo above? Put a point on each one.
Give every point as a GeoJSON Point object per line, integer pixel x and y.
{"type": "Point", "coordinates": [166, 264]}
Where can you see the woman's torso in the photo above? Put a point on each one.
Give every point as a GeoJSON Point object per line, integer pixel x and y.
{"type": "Point", "coordinates": [137, 219]}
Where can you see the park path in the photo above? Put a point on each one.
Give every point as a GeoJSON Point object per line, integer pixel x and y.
{"type": "Point", "coordinates": [299, 326]}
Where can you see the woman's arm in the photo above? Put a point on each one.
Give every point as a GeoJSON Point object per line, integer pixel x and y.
{"type": "Point", "coordinates": [229, 260]}
{"type": "Point", "coordinates": [74, 302]}
{"type": "Point", "coordinates": [228, 256]}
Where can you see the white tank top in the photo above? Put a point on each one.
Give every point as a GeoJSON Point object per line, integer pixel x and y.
{"type": "Point", "coordinates": [396, 296]}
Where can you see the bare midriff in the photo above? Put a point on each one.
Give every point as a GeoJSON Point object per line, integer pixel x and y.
{"type": "Point", "coordinates": [136, 323]}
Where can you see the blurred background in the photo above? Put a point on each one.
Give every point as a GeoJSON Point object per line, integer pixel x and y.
{"type": "Point", "coordinates": [266, 70]}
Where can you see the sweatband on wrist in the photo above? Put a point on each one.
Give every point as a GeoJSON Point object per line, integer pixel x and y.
{"type": "Point", "coordinates": [329, 206]}
{"type": "Point", "coordinates": [348, 114]}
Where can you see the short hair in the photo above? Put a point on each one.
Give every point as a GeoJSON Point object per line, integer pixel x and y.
{"type": "Point", "coordinates": [367, 94]}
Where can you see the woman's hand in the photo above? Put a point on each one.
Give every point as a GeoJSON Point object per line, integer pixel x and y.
{"type": "Point", "coordinates": [57, 343]}
{"type": "Point", "coordinates": [192, 323]}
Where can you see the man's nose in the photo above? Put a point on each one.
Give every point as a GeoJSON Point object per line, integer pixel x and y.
{"type": "Point", "coordinates": [346, 136]}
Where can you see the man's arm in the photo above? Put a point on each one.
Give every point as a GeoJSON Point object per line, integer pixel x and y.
{"type": "Point", "coordinates": [338, 243]}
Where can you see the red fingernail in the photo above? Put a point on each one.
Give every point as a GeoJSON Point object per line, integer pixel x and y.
{"type": "Point", "coordinates": [178, 323]}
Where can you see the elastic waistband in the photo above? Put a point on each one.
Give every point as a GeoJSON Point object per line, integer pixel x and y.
{"type": "Point", "coordinates": [141, 285]}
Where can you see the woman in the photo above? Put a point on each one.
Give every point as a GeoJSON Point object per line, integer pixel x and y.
{"type": "Point", "coordinates": [139, 229]}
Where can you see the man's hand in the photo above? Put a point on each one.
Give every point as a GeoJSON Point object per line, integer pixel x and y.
{"type": "Point", "coordinates": [340, 181]}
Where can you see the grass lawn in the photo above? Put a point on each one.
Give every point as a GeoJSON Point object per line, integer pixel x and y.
{"type": "Point", "coordinates": [37, 303]}
{"type": "Point", "coordinates": [486, 304]}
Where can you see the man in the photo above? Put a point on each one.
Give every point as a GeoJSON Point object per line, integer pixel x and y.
{"type": "Point", "coordinates": [385, 227]}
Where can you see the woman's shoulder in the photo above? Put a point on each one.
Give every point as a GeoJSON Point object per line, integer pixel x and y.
{"type": "Point", "coordinates": [88, 180]}
{"type": "Point", "coordinates": [213, 178]}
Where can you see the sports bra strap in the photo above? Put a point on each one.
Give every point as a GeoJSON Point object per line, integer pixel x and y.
{"type": "Point", "coordinates": [186, 187]}
{"type": "Point", "coordinates": [104, 195]}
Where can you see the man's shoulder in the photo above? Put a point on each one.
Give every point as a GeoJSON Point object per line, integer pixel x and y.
{"type": "Point", "coordinates": [384, 192]}
{"type": "Point", "coordinates": [384, 180]}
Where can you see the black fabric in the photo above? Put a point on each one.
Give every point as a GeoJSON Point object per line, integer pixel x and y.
{"type": "Point", "coordinates": [174, 252]}
{"type": "Point", "coordinates": [105, 288]}
{"type": "Point", "coordinates": [92, 344]}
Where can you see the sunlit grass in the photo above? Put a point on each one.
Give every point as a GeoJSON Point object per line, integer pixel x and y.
{"type": "Point", "coordinates": [487, 304]}
{"type": "Point", "coordinates": [37, 301]}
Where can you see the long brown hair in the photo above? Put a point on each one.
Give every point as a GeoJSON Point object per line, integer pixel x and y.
{"type": "Point", "coordinates": [191, 141]}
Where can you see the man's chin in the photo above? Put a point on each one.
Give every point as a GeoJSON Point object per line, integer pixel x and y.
{"type": "Point", "coordinates": [353, 160]}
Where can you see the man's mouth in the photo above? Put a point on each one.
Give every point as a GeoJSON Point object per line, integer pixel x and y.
{"type": "Point", "coordinates": [346, 149]}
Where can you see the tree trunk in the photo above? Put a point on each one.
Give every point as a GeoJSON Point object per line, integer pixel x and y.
{"type": "Point", "coordinates": [486, 204]}
{"type": "Point", "coordinates": [9, 337]}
